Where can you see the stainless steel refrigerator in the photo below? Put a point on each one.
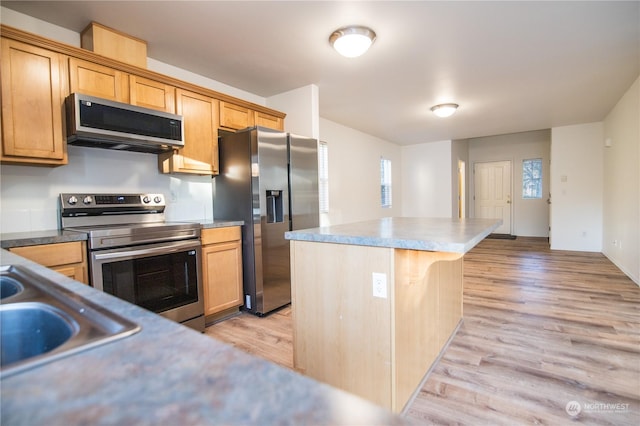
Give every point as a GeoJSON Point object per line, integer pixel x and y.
{"type": "Point", "coordinates": [269, 179]}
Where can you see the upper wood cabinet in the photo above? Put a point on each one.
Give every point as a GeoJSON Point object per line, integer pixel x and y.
{"type": "Point", "coordinates": [33, 90]}
{"type": "Point", "coordinates": [235, 117]}
{"type": "Point", "coordinates": [268, 120]}
{"type": "Point", "coordinates": [93, 79]}
{"type": "Point", "coordinates": [37, 74]}
{"type": "Point", "coordinates": [200, 152]}
{"type": "Point", "coordinates": [152, 94]}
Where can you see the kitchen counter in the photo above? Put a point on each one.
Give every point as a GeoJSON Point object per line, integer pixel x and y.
{"type": "Point", "coordinates": [210, 224]}
{"type": "Point", "coordinates": [169, 374]}
{"type": "Point", "coordinates": [22, 239]}
{"type": "Point", "coordinates": [431, 234]}
{"type": "Point", "coordinates": [375, 303]}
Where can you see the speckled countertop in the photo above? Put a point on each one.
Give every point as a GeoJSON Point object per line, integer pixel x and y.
{"type": "Point", "coordinates": [21, 239]}
{"type": "Point", "coordinates": [168, 374]}
{"type": "Point", "coordinates": [429, 234]}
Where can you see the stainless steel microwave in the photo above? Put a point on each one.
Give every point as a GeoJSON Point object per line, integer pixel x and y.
{"type": "Point", "coordinates": [101, 123]}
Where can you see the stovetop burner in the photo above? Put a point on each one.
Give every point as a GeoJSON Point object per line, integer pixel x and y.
{"type": "Point", "coordinates": [114, 220]}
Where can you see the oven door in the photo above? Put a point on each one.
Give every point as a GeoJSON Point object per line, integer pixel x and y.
{"type": "Point", "coordinates": [163, 278]}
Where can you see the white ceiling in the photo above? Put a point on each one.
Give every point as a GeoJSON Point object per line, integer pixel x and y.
{"type": "Point", "coordinates": [512, 66]}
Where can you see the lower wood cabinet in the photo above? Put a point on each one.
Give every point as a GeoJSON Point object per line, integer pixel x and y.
{"type": "Point", "coordinates": [222, 269]}
{"type": "Point", "coordinates": [69, 259]}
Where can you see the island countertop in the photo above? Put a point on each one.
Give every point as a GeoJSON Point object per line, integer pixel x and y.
{"type": "Point", "coordinates": [412, 233]}
{"type": "Point", "coordinates": [169, 374]}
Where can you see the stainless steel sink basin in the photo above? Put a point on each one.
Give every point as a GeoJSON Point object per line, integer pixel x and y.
{"type": "Point", "coordinates": [41, 321]}
{"type": "Point", "coordinates": [31, 328]}
{"type": "Point", "coordinates": [9, 287]}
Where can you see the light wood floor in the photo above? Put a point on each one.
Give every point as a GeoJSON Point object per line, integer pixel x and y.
{"type": "Point", "coordinates": [542, 329]}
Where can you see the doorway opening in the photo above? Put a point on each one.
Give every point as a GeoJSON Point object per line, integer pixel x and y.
{"type": "Point", "coordinates": [462, 197]}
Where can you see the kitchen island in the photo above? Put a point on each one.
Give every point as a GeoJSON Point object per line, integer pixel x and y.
{"type": "Point", "coordinates": [168, 374]}
{"type": "Point", "coordinates": [375, 303]}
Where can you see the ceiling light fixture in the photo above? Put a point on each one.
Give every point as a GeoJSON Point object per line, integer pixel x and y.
{"type": "Point", "coordinates": [444, 110]}
{"type": "Point", "coordinates": [352, 41]}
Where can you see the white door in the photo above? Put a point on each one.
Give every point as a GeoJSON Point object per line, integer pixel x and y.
{"type": "Point", "coordinates": [492, 183]}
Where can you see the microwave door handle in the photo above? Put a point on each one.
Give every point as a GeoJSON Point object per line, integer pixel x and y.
{"type": "Point", "coordinates": [140, 252]}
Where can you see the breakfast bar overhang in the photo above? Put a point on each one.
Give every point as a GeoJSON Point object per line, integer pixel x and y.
{"type": "Point", "coordinates": [375, 303]}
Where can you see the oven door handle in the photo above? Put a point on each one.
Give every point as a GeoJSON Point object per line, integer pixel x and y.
{"type": "Point", "coordinates": [164, 249]}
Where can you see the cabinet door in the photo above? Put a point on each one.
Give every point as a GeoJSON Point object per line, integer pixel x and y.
{"type": "Point", "coordinates": [267, 120]}
{"type": "Point", "coordinates": [200, 152]}
{"type": "Point", "coordinates": [75, 272]}
{"type": "Point", "coordinates": [152, 94]}
{"type": "Point", "coordinates": [235, 117]}
{"type": "Point", "coordinates": [69, 259]}
{"type": "Point", "coordinates": [33, 91]}
{"type": "Point", "coordinates": [97, 80]}
{"type": "Point", "coordinates": [222, 270]}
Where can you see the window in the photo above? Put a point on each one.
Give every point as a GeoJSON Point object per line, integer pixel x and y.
{"type": "Point", "coordinates": [323, 177]}
{"type": "Point", "coordinates": [532, 178]}
{"type": "Point", "coordinates": [385, 182]}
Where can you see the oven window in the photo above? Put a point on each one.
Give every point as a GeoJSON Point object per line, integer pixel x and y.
{"type": "Point", "coordinates": [156, 283]}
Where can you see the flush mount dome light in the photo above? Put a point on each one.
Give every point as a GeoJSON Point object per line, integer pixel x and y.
{"type": "Point", "coordinates": [444, 110]}
{"type": "Point", "coordinates": [352, 41]}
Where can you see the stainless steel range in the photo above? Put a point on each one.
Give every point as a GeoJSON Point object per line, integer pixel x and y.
{"type": "Point", "coordinates": [136, 255]}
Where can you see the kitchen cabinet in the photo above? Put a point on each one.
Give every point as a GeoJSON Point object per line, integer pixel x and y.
{"type": "Point", "coordinates": [152, 94]}
{"type": "Point", "coordinates": [93, 79]}
{"type": "Point", "coordinates": [268, 120]}
{"type": "Point", "coordinates": [33, 91]}
{"type": "Point", "coordinates": [222, 269]}
{"type": "Point", "coordinates": [200, 152]}
{"type": "Point", "coordinates": [236, 117]}
{"type": "Point", "coordinates": [37, 74]}
{"type": "Point", "coordinates": [69, 259]}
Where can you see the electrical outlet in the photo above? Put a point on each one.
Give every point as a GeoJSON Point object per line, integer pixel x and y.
{"type": "Point", "coordinates": [379, 285]}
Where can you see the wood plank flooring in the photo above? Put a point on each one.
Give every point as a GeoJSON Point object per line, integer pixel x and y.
{"type": "Point", "coordinates": [542, 330]}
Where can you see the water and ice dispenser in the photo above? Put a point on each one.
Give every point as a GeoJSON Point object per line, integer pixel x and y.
{"type": "Point", "coordinates": [274, 206]}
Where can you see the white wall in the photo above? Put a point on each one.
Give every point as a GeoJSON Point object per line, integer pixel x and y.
{"type": "Point", "coordinates": [354, 174]}
{"type": "Point", "coordinates": [576, 187]}
{"type": "Point", "coordinates": [303, 109]}
{"type": "Point", "coordinates": [29, 194]}
{"type": "Point", "coordinates": [426, 180]}
{"type": "Point", "coordinates": [530, 217]}
{"type": "Point", "coordinates": [621, 233]}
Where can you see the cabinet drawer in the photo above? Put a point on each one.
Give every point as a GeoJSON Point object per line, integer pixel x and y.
{"type": "Point", "coordinates": [220, 235]}
{"type": "Point", "coordinates": [53, 254]}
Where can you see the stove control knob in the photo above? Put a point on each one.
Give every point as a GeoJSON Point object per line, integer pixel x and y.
{"type": "Point", "coordinates": [72, 200]}
{"type": "Point", "coordinates": [87, 199]}
{"type": "Point", "coordinates": [146, 199]}
{"type": "Point", "coordinates": [157, 199]}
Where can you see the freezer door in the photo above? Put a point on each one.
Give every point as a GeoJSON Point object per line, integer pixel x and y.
{"type": "Point", "coordinates": [303, 163]}
{"type": "Point", "coordinates": [273, 192]}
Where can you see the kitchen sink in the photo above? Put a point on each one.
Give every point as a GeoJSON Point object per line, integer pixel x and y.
{"type": "Point", "coordinates": [41, 321]}
{"type": "Point", "coordinates": [9, 286]}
